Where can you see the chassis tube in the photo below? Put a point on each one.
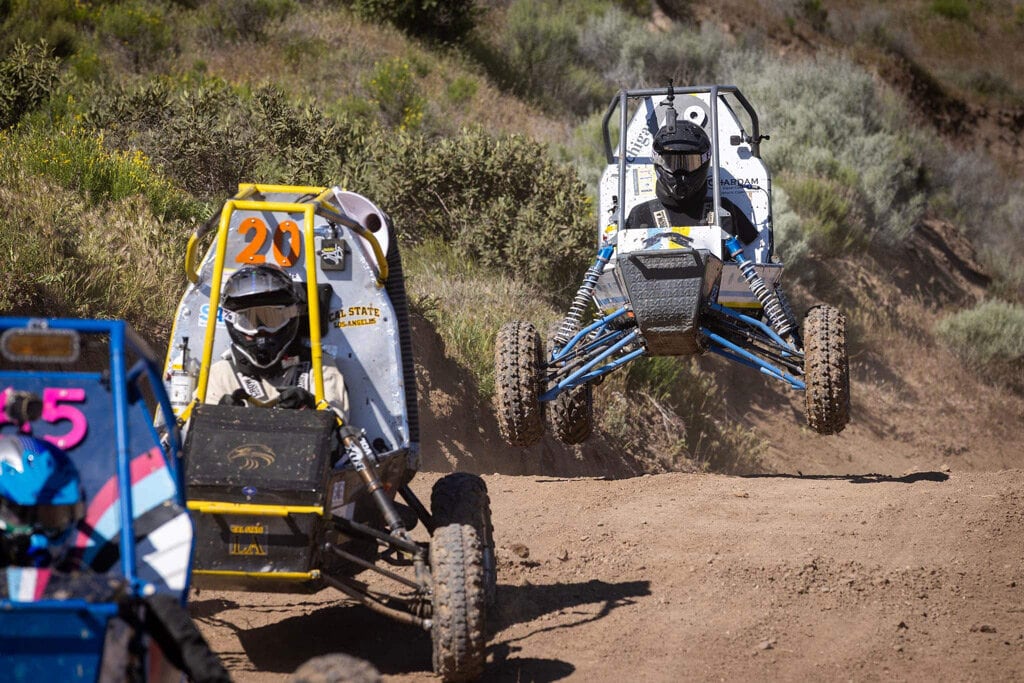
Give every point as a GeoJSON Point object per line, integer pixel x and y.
{"type": "Point", "coordinates": [586, 331]}
{"type": "Point", "coordinates": [396, 614]}
{"type": "Point", "coordinates": [565, 383]}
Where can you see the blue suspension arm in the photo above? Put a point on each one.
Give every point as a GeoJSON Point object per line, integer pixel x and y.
{"type": "Point", "coordinates": [735, 352]}
{"type": "Point", "coordinates": [574, 378]}
{"type": "Point", "coordinates": [724, 310]}
{"type": "Point", "coordinates": [603, 322]}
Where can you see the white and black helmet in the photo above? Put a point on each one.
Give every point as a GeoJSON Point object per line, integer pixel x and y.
{"type": "Point", "coordinates": [261, 311]}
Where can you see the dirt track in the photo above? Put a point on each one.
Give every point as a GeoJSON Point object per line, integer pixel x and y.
{"type": "Point", "coordinates": [696, 577]}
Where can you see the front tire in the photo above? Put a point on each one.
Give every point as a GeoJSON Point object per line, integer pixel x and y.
{"type": "Point", "coordinates": [457, 631]}
{"type": "Point", "coordinates": [517, 363]}
{"type": "Point", "coordinates": [826, 370]}
{"type": "Point", "coordinates": [461, 498]}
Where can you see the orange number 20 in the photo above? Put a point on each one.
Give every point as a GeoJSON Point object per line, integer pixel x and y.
{"type": "Point", "coordinates": [287, 241]}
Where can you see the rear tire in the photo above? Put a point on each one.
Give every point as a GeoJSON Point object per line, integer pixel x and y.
{"type": "Point", "coordinates": [461, 498]}
{"type": "Point", "coordinates": [336, 668]}
{"type": "Point", "coordinates": [457, 631]}
{"type": "Point", "coordinates": [826, 370]}
{"type": "Point", "coordinates": [571, 413]}
{"type": "Point", "coordinates": [517, 363]}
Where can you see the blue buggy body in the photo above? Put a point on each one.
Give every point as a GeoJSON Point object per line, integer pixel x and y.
{"type": "Point", "coordinates": [81, 620]}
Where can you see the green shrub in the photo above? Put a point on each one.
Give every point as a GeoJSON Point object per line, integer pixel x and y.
{"type": "Point", "coordinates": [445, 21]}
{"type": "Point", "coordinates": [540, 45]}
{"type": "Point", "coordinates": [63, 257]}
{"type": "Point", "coordinates": [54, 21]}
{"type": "Point", "coordinates": [208, 137]}
{"type": "Point", "coordinates": [539, 58]}
{"type": "Point", "coordinates": [470, 306]}
{"type": "Point", "coordinates": [815, 13]}
{"type": "Point", "coordinates": [302, 50]}
{"type": "Point", "coordinates": [973, 192]}
{"type": "Point", "coordinates": [830, 221]}
{"type": "Point", "coordinates": [144, 33]}
{"type": "Point", "coordinates": [957, 10]}
{"type": "Point", "coordinates": [829, 117]}
{"type": "Point", "coordinates": [27, 76]}
{"type": "Point", "coordinates": [461, 89]}
{"type": "Point", "coordinates": [500, 200]}
{"type": "Point", "coordinates": [1007, 271]}
{"type": "Point", "coordinates": [791, 243]}
{"type": "Point", "coordinates": [76, 159]}
{"type": "Point", "coordinates": [990, 338]}
{"type": "Point", "coordinates": [393, 88]}
{"type": "Point", "coordinates": [241, 20]}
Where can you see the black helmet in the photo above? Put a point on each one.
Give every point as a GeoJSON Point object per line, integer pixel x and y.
{"type": "Point", "coordinates": [682, 154]}
{"type": "Point", "coordinates": [261, 312]}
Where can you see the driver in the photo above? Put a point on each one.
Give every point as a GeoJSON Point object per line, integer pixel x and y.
{"type": "Point", "coordinates": [682, 156]}
{"type": "Point", "coordinates": [41, 503]}
{"type": "Point", "coordinates": [266, 360]}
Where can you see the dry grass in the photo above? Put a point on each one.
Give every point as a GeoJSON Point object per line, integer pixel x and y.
{"type": "Point", "coordinates": [327, 57]}
{"type": "Point", "coordinates": [961, 53]}
{"type": "Point", "coordinates": [468, 304]}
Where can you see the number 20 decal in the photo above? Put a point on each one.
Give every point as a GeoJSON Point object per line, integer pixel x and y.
{"type": "Point", "coordinates": [287, 242]}
{"type": "Point", "coordinates": [54, 412]}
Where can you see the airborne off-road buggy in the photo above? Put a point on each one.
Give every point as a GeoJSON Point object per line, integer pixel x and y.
{"type": "Point", "coordinates": [81, 599]}
{"type": "Point", "coordinates": [672, 291]}
{"type": "Point", "coordinates": [293, 500]}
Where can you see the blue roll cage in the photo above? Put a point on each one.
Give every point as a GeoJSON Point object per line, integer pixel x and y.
{"type": "Point", "coordinates": [121, 339]}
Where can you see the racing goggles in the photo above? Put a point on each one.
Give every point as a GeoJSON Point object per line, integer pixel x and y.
{"type": "Point", "coordinates": [681, 161]}
{"type": "Point", "coordinates": [261, 318]}
{"type": "Point", "coordinates": [49, 520]}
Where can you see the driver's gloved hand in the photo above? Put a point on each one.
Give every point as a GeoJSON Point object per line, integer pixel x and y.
{"type": "Point", "coordinates": [296, 398]}
{"type": "Point", "coordinates": [235, 398]}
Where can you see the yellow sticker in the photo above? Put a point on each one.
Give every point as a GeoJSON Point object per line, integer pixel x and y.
{"type": "Point", "coordinates": [355, 315]}
{"type": "Point", "coordinates": [248, 539]}
{"type": "Point", "coordinates": [685, 232]}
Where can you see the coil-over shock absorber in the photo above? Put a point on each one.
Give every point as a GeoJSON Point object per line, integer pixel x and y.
{"type": "Point", "coordinates": [574, 318]}
{"type": "Point", "coordinates": [777, 317]}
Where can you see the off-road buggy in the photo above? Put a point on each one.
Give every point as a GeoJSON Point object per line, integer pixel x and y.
{"type": "Point", "coordinates": [294, 500]}
{"type": "Point", "coordinates": [674, 290]}
{"type": "Point", "coordinates": [84, 594]}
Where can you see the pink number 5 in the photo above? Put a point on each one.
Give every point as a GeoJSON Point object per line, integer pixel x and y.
{"type": "Point", "coordinates": [52, 412]}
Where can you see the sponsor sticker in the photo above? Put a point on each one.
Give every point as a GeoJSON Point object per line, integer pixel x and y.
{"type": "Point", "coordinates": [248, 539]}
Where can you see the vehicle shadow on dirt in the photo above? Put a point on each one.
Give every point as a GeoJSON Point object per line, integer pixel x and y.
{"type": "Point", "coordinates": [871, 478]}
{"type": "Point", "coordinates": [584, 602]}
{"type": "Point", "coordinates": [395, 648]}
